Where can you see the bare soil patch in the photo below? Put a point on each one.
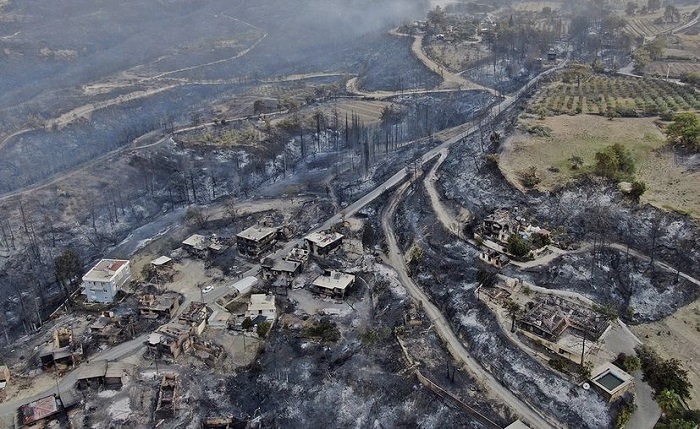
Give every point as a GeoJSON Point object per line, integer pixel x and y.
{"type": "Point", "coordinates": [678, 336]}
{"type": "Point", "coordinates": [369, 112]}
{"type": "Point", "coordinates": [457, 57]}
{"type": "Point", "coordinates": [670, 185]}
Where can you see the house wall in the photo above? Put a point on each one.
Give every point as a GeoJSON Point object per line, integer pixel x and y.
{"type": "Point", "coordinates": [103, 292]}
{"type": "Point", "coordinates": [270, 314]}
{"type": "Point", "coordinates": [565, 352]}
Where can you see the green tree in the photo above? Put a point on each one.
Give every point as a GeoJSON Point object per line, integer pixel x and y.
{"type": "Point", "coordinates": [637, 190]}
{"type": "Point", "coordinates": [513, 309]}
{"type": "Point", "coordinates": [530, 177]}
{"type": "Point", "coordinates": [653, 5]}
{"type": "Point", "coordinates": [263, 329]}
{"type": "Point", "coordinates": [247, 323]}
{"type": "Point", "coordinates": [613, 161]}
{"type": "Point", "coordinates": [631, 8]}
{"type": "Point", "coordinates": [631, 363]}
{"type": "Point", "coordinates": [415, 257]}
{"type": "Point", "coordinates": [606, 163]}
{"type": "Point", "coordinates": [575, 162]}
{"type": "Point", "coordinates": [684, 130]}
{"type": "Point", "coordinates": [668, 401]}
{"type": "Point", "coordinates": [663, 374]}
{"type": "Point", "coordinates": [68, 269]}
{"type": "Point", "coordinates": [517, 246]}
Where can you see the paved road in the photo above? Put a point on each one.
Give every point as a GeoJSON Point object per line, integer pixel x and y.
{"type": "Point", "coordinates": [393, 181]}
{"type": "Point", "coordinates": [68, 381]}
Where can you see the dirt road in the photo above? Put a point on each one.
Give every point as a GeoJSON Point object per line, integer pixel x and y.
{"type": "Point", "coordinates": [449, 80]}
{"type": "Point", "coordinates": [530, 415]}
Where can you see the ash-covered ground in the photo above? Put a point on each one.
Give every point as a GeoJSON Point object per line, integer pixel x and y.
{"type": "Point", "coordinates": [448, 274]}
{"type": "Point", "coordinates": [590, 215]}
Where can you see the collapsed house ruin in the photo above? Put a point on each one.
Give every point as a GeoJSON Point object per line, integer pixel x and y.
{"type": "Point", "coordinates": [564, 327]}
{"type": "Point", "coordinates": [63, 353]}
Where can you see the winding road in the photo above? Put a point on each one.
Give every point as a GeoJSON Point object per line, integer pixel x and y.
{"type": "Point", "coordinates": [442, 327]}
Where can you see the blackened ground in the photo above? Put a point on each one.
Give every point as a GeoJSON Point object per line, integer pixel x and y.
{"type": "Point", "coordinates": [589, 211]}
{"type": "Point", "coordinates": [356, 382]}
{"type": "Point", "coordinates": [448, 275]}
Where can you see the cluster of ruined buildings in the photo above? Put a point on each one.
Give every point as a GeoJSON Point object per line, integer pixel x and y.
{"type": "Point", "coordinates": [497, 229]}
{"type": "Point", "coordinates": [102, 283]}
{"type": "Point", "coordinates": [184, 334]}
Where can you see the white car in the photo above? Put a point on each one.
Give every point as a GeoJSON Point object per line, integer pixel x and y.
{"type": "Point", "coordinates": [208, 289]}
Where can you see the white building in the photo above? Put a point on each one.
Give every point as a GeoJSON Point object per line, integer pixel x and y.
{"type": "Point", "coordinates": [102, 282]}
{"type": "Point", "coordinates": [322, 243]}
{"type": "Point", "coordinates": [261, 305]}
{"type": "Point", "coordinates": [334, 284]}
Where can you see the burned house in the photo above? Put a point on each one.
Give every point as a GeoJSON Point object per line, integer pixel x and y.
{"type": "Point", "coordinates": [493, 258]}
{"type": "Point", "coordinates": [170, 339]}
{"type": "Point", "coordinates": [195, 315]}
{"type": "Point", "coordinates": [564, 327]}
{"type": "Point", "coordinates": [115, 375]}
{"type": "Point", "coordinates": [105, 279]}
{"type": "Point", "coordinates": [229, 422]}
{"type": "Point", "coordinates": [201, 246]}
{"type": "Point", "coordinates": [322, 243]}
{"type": "Point", "coordinates": [100, 374]}
{"type": "Point", "coordinates": [91, 376]}
{"type": "Point", "coordinates": [333, 283]}
{"type": "Point", "coordinates": [107, 329]}
{"type": "Point", "coordinates": [167, 397]}
{"type": "Point", "coordinates": [261, 305]}
{"type": "Point", "coordinates": [37, 412]}
{"type": "Point", "coordinates": [208, 352]}
{"type": "Point", "coordinates": [256, 241]}
{"type": "Point", "coordinates": [63, 353]}
{"type": "Point", "coordinates": [280, 271]}
{"type": "Point", "coordinates": [298, 254]}
{"type": "Point", "coordinates": [498, 226]}
{"type": "Point", "coordinates": [159, 306]}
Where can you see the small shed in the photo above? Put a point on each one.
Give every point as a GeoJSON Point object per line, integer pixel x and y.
{"type": "Point", "coordinates": [161, 261]}
{"type": "Point", "coordinates": [245, 286]}
{"type": "Point", "coordinates": [114, 376]}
